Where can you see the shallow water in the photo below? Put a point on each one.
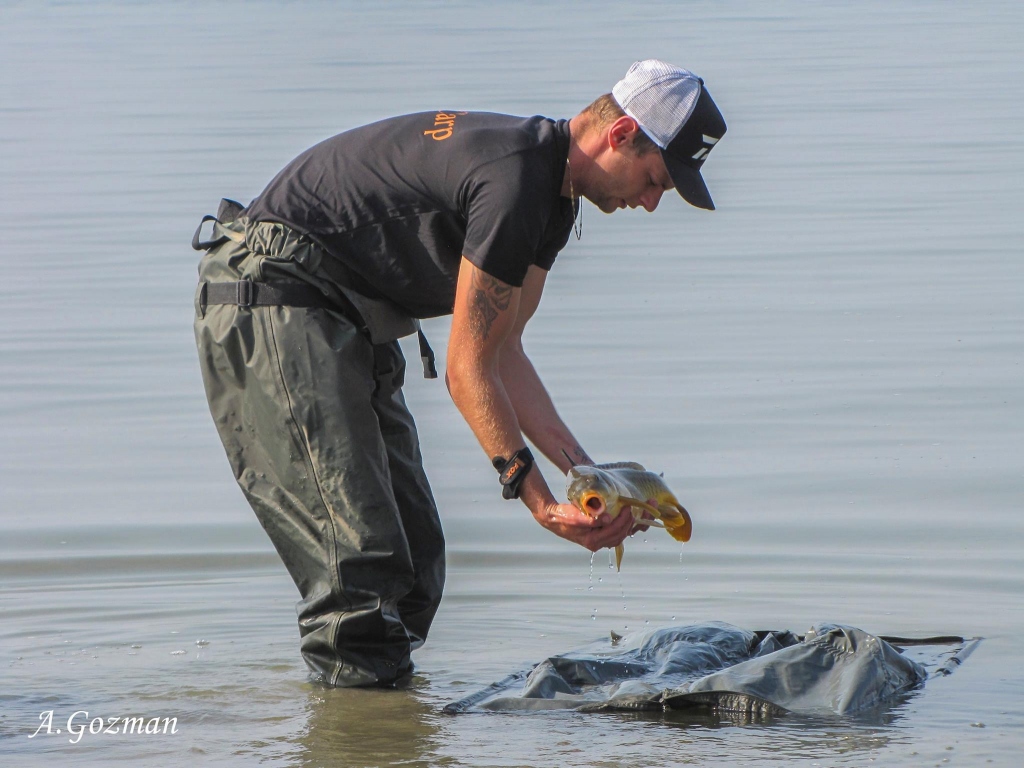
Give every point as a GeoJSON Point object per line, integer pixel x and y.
{"type": "Point", "coordinates": [828, 369]}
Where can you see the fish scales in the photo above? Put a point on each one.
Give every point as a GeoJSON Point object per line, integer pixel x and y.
{"type": "Point", "coordinates": [641, 484]}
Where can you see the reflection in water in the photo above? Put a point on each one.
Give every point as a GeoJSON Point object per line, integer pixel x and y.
{"type": "Point", "coordinates": [794, 736]}
{"type": "Point", "coordinates": [369, 727]}
{"type": "Point", "coordinates": [664, 739]}
{"type": "Point", "coordinates": [373, 727]}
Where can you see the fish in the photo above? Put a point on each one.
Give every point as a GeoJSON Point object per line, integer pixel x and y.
{"type": "Point", "coordinates": [595, 489]}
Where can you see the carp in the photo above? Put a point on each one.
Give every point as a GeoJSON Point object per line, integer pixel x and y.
{"type": "Point", "coordinates": [612, 487]}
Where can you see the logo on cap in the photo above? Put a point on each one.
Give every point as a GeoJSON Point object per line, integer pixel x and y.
{"type": "Point", "coordinates": [703, 151]}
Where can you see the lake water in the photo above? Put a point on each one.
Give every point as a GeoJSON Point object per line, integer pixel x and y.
{"type": "Point", "coordinates": [828, 369]}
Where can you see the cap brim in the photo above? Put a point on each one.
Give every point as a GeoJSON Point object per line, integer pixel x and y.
{"type": "Point", "coordinates": [689, 183]}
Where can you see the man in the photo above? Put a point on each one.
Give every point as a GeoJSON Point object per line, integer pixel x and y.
{"type": "Point", "coordinates": [303, 294]}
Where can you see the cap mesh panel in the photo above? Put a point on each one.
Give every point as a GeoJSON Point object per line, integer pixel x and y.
{"type": "Point", "coordinates": [659, 96]}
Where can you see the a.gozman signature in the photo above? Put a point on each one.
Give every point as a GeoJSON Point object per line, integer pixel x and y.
{"type": "Point", "coordinates": [79, 724]}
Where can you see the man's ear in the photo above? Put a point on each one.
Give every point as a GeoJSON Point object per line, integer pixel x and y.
{"type": "Point", "coordinates": [622, 132]}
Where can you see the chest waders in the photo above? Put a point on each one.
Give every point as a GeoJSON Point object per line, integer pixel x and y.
{"type": "Point", "coordinates": [307, 401]}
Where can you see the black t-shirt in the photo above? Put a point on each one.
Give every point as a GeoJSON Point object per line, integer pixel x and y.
{"type": "Point", "coordinates": [399, 202]}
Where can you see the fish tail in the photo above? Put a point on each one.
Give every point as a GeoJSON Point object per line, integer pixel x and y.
{"type": "Point", "coordinates": [677, 521]}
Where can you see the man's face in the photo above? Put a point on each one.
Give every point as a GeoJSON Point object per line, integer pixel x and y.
{"type": "Point", "coordinates": [622, 178]}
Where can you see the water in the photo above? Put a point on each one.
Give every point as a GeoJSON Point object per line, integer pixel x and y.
{"type": "Point", "coordinates": [827, 369]}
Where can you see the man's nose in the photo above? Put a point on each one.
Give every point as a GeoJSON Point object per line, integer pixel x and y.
{"type": "Point", "coordinates": [649, 200]}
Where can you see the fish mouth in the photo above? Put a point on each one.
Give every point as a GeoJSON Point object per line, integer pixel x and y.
{"type": "Point", "coordinates": [592, 504]}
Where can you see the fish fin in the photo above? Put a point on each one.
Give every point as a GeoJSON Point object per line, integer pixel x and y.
{"type": "Point", "coordinates": [621, 465]}
{"type": "Point", "coordinates": [618, 557]}
{"type": "Point", "coordinates": [642, 504]}
{"type": "Point", "coordinates": [670, 511]}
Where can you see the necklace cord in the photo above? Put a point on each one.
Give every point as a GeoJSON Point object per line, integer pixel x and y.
{"type": "Point", "coordinates": [577, 204]}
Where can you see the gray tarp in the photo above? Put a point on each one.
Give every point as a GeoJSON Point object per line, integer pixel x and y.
{"type": "Point", "coordinates": [832, 670]}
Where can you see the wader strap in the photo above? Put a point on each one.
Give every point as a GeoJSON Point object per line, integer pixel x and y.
{"type": "Point", "coordinates": [227, 212]}
{"type": "Point", "coordinates": [426, 355]}
{"type": "Point", "coordinates": [205, 245]}
{"type": "Point", "coordinates": [246, 293]}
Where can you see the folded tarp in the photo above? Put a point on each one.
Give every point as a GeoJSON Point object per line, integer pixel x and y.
{"type": "Point", "coordinates": [719, 668]}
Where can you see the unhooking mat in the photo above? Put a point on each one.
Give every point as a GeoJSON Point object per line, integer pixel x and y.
{"type": "Point", "coordinates": [720, 669]}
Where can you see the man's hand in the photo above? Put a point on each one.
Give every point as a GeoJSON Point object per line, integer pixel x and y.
{"type": "Point", "coordinates": [567, 521]}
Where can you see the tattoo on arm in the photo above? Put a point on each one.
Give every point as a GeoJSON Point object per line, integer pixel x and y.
{"type": "Point", "coordinates": [579, 457]}
{"type": "Point", "coordinates": [489, 297]}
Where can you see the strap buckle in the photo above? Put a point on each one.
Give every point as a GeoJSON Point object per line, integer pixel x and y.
{"type": "Point", "coordinates": [245, 293]}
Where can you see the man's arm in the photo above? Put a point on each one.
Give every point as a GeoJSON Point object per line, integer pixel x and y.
{"type": "Point", "coordinates": [537, 416]}
{"type": "Point", "coordinates": [485, 315]}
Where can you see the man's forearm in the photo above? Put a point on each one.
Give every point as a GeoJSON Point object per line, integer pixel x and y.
{"type": "Point", "coordinates": [535, 412]}
{"type": "Point", "coordinates": [484, 402]}
{"type": "Point", "coordinates": [481, 398]}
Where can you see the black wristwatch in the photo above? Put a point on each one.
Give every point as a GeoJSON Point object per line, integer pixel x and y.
{"type": "Point", "coordinates": [511, 471]}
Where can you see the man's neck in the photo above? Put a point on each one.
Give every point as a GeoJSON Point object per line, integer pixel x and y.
{"type": "Point", "coordinates": [576, 167]}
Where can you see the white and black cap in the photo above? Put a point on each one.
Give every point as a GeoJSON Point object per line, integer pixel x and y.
{"type": "Point", "coordinates": [674, 108]}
